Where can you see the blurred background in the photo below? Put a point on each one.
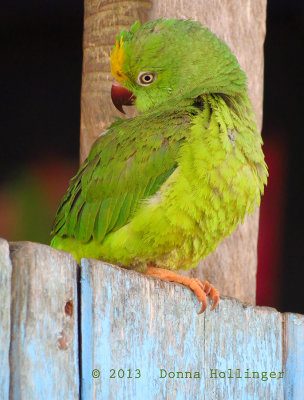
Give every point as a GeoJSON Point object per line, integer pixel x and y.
{"type": "Point", "coordinates": [41, 58]}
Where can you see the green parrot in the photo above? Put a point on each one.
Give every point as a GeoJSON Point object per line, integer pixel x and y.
{"type": "Point", "coordinates": [160, 191]}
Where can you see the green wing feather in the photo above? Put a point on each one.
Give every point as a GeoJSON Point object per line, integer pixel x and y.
{"type": "Point", "coordinates": [126, 165]}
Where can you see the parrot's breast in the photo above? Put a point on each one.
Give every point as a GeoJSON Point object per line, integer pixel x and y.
{"type": "Point", "coordinates": [211, 171]}
{"type": "Point", "coordinates": [214, 186]}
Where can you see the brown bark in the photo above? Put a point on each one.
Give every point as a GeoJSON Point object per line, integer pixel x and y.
{"type": "Point", "coordinates": [241, 24]}
{"type": "Point", "coordinates": [103, 20]}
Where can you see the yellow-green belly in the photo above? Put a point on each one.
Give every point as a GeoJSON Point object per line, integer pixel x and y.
{"type": "Point", "coordinates": [201, 203]}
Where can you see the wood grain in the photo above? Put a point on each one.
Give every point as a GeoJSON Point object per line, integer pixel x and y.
{"type": "Point", "coordinates": [132, 322]}
{"type": "Point", "coordinates": [103, 20]}
{"type": "Point", "coordinates": [294, 356]}
{"type": "Point", "coordinates": [44, 338]}
{"type": "Point", "coordinates": [5, 318]}
{"type": "Point", "coordinates": [241, 24]}
{"type": "Point", "coordinates": [135, 322]}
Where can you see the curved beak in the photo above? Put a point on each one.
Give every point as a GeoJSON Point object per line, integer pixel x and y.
{"type": "Point", "coordinates": [121, 96]}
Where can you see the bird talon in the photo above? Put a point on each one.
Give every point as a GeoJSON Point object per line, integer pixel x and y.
{"type": "Point", "coordinates": [215, 296]}
{"type": "Point", "coordinates": [216, 300]}
{"type": "Point", "coordinates": [204, 306]}
{"type": "Point", "coordinates": [207, 287]}
{"type": "Point", "coordinates": [202, 289]}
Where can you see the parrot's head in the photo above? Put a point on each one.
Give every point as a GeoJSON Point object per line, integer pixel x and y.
{"type": "Point", "coordinates": [168, 60]}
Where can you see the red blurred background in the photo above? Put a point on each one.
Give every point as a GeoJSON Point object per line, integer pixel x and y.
{"type": "Point", "coordinates": [41, 70]}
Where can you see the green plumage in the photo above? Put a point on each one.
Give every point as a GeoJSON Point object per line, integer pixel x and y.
{"type": "Point", "coordinates": [167, 186]}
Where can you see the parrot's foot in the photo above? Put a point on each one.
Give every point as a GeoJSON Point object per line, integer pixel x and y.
{"type": "Point", "coordinates": [201, 288]}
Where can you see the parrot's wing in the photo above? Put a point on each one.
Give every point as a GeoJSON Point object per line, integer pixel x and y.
{"type": "Point", "coordinates": [125, 166]}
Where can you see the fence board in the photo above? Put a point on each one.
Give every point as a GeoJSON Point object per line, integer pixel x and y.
{"type": "Point", "coordinates": [294, 355]}
{"type": "Point", "coordinates": [247, 339]}
{"type": "Point", "coordinates": [140, 334]}
{"type": "Point", "coordinates": [44, 347]}
{"type": "Point", "coordinates": [5, 317]}
{"type": "Point", "coordinates": [135, 323]}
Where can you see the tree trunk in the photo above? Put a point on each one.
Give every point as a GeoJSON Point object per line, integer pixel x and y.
{"type": "Point", "coordinates": [103, 21]}
{"type": "Point", "coordinates": [241, 24]}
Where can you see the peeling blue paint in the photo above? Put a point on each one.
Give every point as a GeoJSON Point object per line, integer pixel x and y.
{"type": "Point", "coordinates": [294, 328]}
{"type": "Point", "coordinates": [43, 279]}
{"type": "Point", "coordinates": [86, 330]}
{"type": "Point", "coordinates": [136, 326]}
{"type": "Point", "coordinates": [5, 318]}
{"type": "Point", "coordinates": [130, 322]}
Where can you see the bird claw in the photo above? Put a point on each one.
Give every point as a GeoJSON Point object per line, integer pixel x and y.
{"type": "Point", "coordinates": [202, 289]}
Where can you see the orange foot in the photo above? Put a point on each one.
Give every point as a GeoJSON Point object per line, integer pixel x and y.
{"type": "Point", "coordinates": [201, 288]}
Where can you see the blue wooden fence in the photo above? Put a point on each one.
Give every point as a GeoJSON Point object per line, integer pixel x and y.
{"type": "Point", "coordinates": [101, 332]}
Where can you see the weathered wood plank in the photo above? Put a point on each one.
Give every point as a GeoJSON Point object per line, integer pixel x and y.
{"type": "Point", "coordinates": [44, 347]}
{"type": "Point", "coordinates": [137, 330]}
{"type": "Point", "coordinates": [86, 297]}
{"type": "Point", "coordinates": [131, 323]}
{"type": "Point", "coordinates": [294, 356]}
{"type": "Point", "coordinates": [248, 339]}
{"type": "Point", "coordinates": [5, 317]}
{"type": "Point", "coordinates": [103, 20]}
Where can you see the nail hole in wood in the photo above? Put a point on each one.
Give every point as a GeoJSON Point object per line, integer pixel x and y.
{"type": "Point", "coordinates": [69, 308]}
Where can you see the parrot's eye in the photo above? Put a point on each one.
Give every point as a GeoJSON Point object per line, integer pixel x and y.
{"type": "Point", "coordinates": [146, 78]}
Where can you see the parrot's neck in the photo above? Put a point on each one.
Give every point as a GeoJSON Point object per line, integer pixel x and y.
{"type": "Point", "coordinates": [237, 102]}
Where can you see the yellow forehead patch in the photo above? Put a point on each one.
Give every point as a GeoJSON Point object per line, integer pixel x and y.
{"type": "Point", "coordinates": [117, 60]}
